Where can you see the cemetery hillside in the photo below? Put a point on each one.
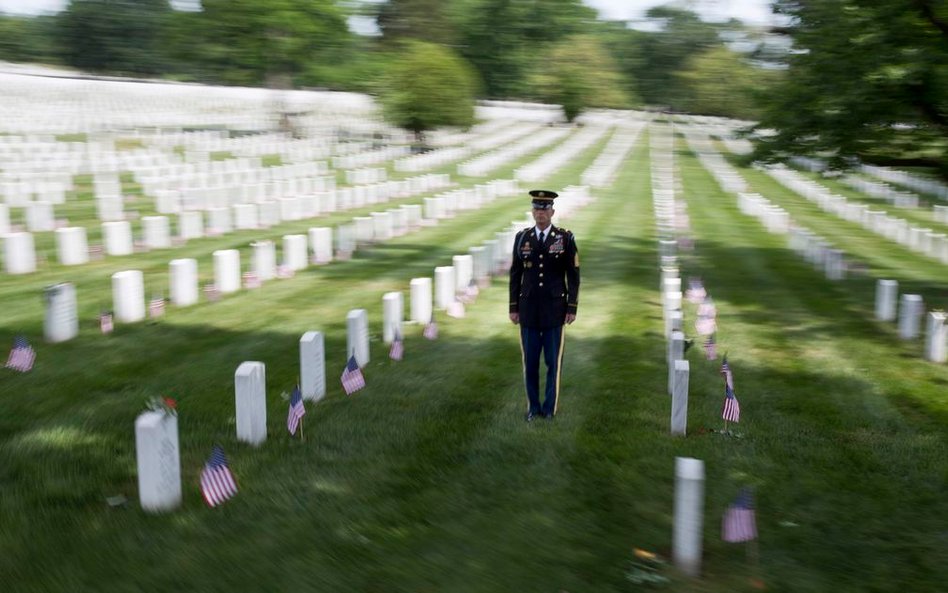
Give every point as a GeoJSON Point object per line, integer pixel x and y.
{"type": "Point", "coordinates": [259, 263]}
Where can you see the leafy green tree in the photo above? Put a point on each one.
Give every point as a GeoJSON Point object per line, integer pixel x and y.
{"type": "Point", "coordinates": [428, 86]}
{"type": "Point", "coordinates": [28, 39]}
{"type": "Point", "coordinates": [424, 20]}
{"type": "Point", "coordinates": [578, 73]}
{"type": "Point", "coordinates": [504, 39]}
{"type": "Point", "coordinates": [113, 35]}
{"type": "Point", "coordinates": [278, 42]}
{"type": "Point", "coordinates": [866, 78]}
{"type": "Point", "coordinates": [660, 55]}
{"type": "Point", "coordinates": [720, 82]}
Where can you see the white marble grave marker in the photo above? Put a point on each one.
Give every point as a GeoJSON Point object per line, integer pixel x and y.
{"type": "Point", "coordinates": [19, 254]}
{"type": "Point", "coordinates": [294, 252]}
{"type": "Point", "coordinates": [128, 296]}
{"type": "Point", "coordinates": [935, 337]}
{"type": "Point", "coordinates": [910, 313]}
{"type": "Point", "coordinates": [679, 410]}
{"type": "Point", "coordinates": [157, 231]}
{"type": "Point", "coordinates": [312, 366]}
{"type": "Point", "coordinates": [444, 286]}
{"type": "Point", "coordinates": [689, 515]}
{"type": "Point", "coordinates": [357, 336]}
{"type": "Point", "coordinates": [158, 461]}
{"type": "Point", "coordinates": [71, 246]}
{"type": "Point", "coordinates": [393, 309]}
{"type": "Point", "coordinates": [676, 351]}
{"type": "Point", "coordinates": [320, 239]}
{"type": "Point", "coordinates": [183, 279]}
{"type": "Point", "coordinates": [264, 260]}
{"type": "Point", "coordinates": [118, 237]}
{"type": "Point", "coordinates": [886, 292]}
{"type": "Point", "coordinates": [250, 386]}
{"type": "Point", "coordinates": [227, 270]}
{"type": "Point", "coordinates": [463, 271]}
{"type": "Point", "coordinates": [62, 320]}
{"type": "Point", "coordinates": [420, 300]}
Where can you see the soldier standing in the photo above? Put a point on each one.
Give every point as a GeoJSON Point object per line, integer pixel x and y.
{"type": "Point", "coordinates": [544, 293]}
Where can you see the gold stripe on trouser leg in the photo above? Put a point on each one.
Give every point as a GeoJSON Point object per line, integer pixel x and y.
{"type": "Point", "coordinates": [559, 369]}
{"type": "Point", "coordinates": [523, 365]}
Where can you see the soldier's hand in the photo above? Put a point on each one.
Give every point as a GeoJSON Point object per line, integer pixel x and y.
{"type": "Point", "coordinates": [570, 318]}
{"type": "Point", "coordinates": [515, 318]}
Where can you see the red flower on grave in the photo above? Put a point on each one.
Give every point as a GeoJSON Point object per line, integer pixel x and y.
{"type": "Point", "coordinates": [169, 402]}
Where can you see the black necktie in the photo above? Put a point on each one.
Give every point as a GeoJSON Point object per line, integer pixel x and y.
{"type": "Point", "coordinates": [542, 237]}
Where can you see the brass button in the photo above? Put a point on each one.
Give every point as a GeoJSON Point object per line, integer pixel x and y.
{"type": "Point", "coordinates": [541, 256]}
{"type": "Point", "coordinates": [541, 265]}
{"type": "Point", "coordinates": [541, 274]}
{"type": "Point", "coordinates": [541, 284]}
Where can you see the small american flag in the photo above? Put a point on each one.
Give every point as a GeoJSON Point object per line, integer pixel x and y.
{"type": "Point", "coordinates": [105, 322]}
{"type": "Point", "coordinates": [739, 523]}
{"type": "Point", "coordinates": [455, 309]}
{"type": "Point", "coordinates": [726, 372]}
{"type": "Point", "coordinates": [297, 410]}
{"type": "Point", "coordinates": [352, 379]}
{"type": "Point", "coordinates": [710, 348]}
{"type": "Point", "coordinates": [431, 330]}
{"type": "Point", "coordinates": [398, 348]}
{"type": "Point", "coordinates": [211, 292]}
{"type": "Point", "coordinates": [251, 280]}
{"type": "Point", "coordinates": [156, 307]}
{"type": "Point", "coordinates": [217, 483]}
{"type": "Point", "coordinates": [21, 356]}
{"type": "Point", "coordinates": [732, 409]}
{"type": "Point", "coordinates": [284, 271]}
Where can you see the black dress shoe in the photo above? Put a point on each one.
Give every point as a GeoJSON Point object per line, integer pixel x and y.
{"type": "Point", "coordinates": [531, 416]}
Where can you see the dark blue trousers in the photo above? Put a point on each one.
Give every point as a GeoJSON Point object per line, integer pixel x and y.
{"type": "Point", "coordinates": [549, 342]}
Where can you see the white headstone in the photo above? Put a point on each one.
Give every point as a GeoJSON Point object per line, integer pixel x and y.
{"type": "Point", "coordinates": [62, 320]}
{"type": "Point", "coordinates": [183, 279]}
{"type": "Point", "coordinates": [444, 286]}
{"type": "Point", "coordinates": [71, 246]}
{"type": "Point", "coordinates": [227, 270]}
{"type": "Point", "coordinates": [689, 519]}
{"type": "Point", "coordinates": [463, 271]}
{"type": "Point", "coordinates": [250, 386]}
{"type": "Point", "coordinates": [218, 221]}
{"type": "Point", "coordinates": [294, 252]}
{"type": "Point", "coordinates": [190, 225]}
{"type": "Point", "coordinates": [357, 336]}
{"type": "Point", "coordinates": [128, 296]}
{"type": "Point", "coordinates": [320, 239]}
{"type": "Point", "coordinates": [4, 219]}
{"type": "Point", "coordinates": [393, 310]}
{"type": "Point", "coordinates": [264, 260]}
{"type": "Point", "coordinates": [158, 460]}
{"type": "Point", "coordinates": [245, 216]}
{"type": "Point", "coordinates": [118, 237]}
{"type": "Point", "coordinates": [19, 254]}
{"type": "Point", "coordinates": [679, 410]}
{"type": "Point", "coordinates": [157, 232]}
{"type": "Point", "coordinates": [312, 366]}
{"type": "Point", "coordinates": [420, 300]}
{"type": "Point", "coordinates": [675, 351]}
{"type": "Point", "coordinates": [40, 217]}
{"type": "Point", "coordinates": [383, 228]}
{"type": "Point", "coordinates": [364, 229]}
{"type": "Point", "coordinates": [910, 313]}
{"type": "Point", "coordinates": [886, 293]}
{"type": "Point", "coordinates": [935, 337]}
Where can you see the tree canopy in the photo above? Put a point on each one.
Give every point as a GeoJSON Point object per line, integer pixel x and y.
{"type": "Point", "coordinates": [867, 79]}
{"type": "Point", "coordinates": [428, 86]}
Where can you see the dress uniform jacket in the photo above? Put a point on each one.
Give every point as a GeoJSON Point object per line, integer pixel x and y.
{"type": "Point", "coordinates": [544, 279]}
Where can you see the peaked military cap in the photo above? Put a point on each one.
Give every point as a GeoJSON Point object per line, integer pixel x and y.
{"type": "Point", "coordinates": [542, 198]}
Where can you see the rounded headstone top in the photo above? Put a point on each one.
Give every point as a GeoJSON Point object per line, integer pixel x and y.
{"type": "Point", "coordinates": [689, 468]}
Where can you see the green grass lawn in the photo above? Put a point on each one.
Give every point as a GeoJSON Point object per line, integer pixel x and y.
{"type": "Point", "coordinates": [428, 480]}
